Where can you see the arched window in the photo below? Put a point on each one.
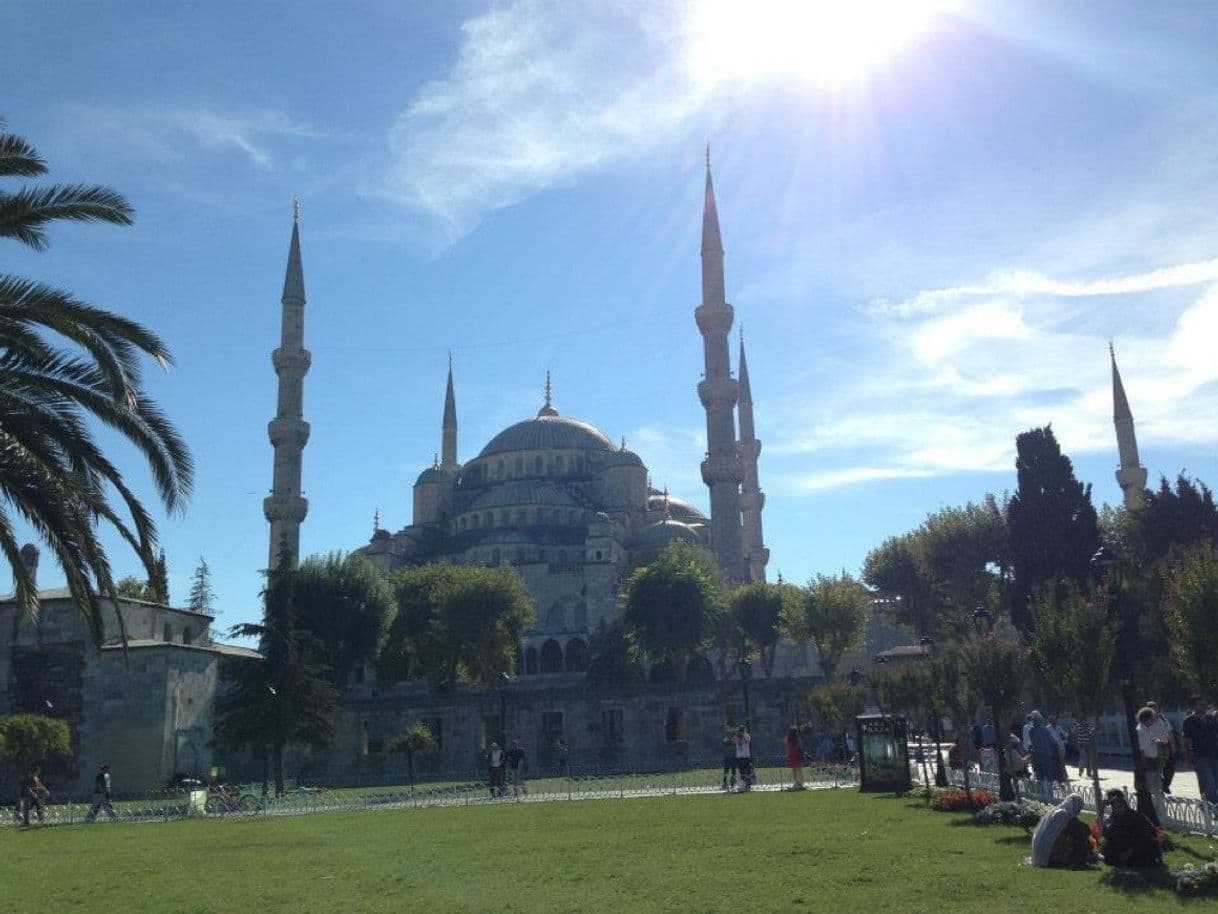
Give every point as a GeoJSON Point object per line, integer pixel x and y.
{"type": "Point", "coordinates": [577, 656]}
{"type": "Point", "coordinates": [188, 637]}
{"type": "Point", "coordinates": [559, 463]}
{"type": "Point", "coordinates": [539, 464]}
{"type": "Point", "coordinates": [699, 670]}
{"type": "Point", "coordinates": [530, 662]}
{"type": "Point", "coordinates": [551, 657]}
{"type": "Point", "coordinates": [499, 467]}
{"type": "Point", "coordinates": [488, 518]}
{"type": "Point", "coordinates": [168, 636]}
{"type": "Point", "coordinates": [519, 466]}
{"type": "Point", "coordinates": [473, 520]}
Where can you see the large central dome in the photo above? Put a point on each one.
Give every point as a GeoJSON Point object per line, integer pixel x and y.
{"type": "Point", "coordinates": [548, 432]}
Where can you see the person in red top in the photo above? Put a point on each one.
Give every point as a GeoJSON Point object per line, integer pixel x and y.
{"type": "Point", "coordinates": [795, 759]}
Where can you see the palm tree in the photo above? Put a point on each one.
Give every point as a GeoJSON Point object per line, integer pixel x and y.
{"type": "Point", "coordinates": [53, 475]}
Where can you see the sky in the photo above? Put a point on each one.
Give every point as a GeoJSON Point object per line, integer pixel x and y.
{"type": "Point", "coordinates": [936, 215]}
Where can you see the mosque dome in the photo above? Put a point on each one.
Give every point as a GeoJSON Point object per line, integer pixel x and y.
{"type": "Point", "coordinates": [432, 474]}
{"type": "Point", "coordinates": [679, 508]}
{"type": "Point", "coordinates": [522, 492]}
{"type": "Point", "coordinates": [661, 534]}
{"type": "Point", "coordinates": [548, 432]}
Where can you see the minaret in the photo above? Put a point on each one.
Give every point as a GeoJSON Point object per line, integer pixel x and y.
{"type": "Point", "coordinates": [721, 469]}
{"type": "Point", "coordinates": [285, 508]}
{"type": "Point", "coordinates": [448, 460]}
{"type": "Point", "coordinates": [1131, 476]}
{"type": "Point", "coordinates": [752, 499]}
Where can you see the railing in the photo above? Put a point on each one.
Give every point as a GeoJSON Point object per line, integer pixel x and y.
{"type": "Point", "coordinates": [460, 790]}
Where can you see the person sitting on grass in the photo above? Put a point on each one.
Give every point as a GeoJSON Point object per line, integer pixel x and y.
{"type": "Point", "coordinates": [1129, 838]}
{"type": "Point", "coordinates": [1061, 839]}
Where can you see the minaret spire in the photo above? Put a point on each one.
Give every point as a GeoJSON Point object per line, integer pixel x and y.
{"type": "Point", "coordinates": [721, 470]}
{"type": "Point", "coordinates": [752, 499]}
{"type": "Point", "coordinates": [1131, 476]}
{"type": "Point", "coordinates": [285, 508]}
{"type": "Point", "coordinates": [548, 408]}
{"type": "Point", "coordinates": [449, 432]}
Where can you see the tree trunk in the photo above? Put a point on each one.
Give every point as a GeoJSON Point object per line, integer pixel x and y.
{"type": "Point", "coordinates": [1095, 776]}
{"type": "Point", "coordinates": [278, 760]}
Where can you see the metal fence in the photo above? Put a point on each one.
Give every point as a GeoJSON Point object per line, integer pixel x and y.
{"type": "Point", "coordinates": [456, 789]}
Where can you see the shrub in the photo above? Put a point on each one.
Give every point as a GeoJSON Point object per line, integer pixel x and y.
{"type": "Point", "coordinates": [1025, 814]}
{"type": "Point", "coordinates": [953, 799]}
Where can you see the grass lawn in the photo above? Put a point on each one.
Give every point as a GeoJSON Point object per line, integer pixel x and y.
{"type": "Point", "coordinates": [816, 851]}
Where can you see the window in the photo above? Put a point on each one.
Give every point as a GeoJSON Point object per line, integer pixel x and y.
{"type": "Point", "coordinates": [559, 463]}
{"type": "Point", "coordinates": [473, 521]}
{"type": "Point", "coordinates": [530, 662]}
{"type": "Point", "coordinates": [674, 726]}
{"type": "Point", "coordinates": [612, 729]}
{"type": "Point", "coordinates": [551, 657]}
{"type": "Point", "coordinates": [499, 468]}
{"type": "Point", "coordinates": [577, 656]}
{"type": "Point", "coordinates": [188, 637]}
{"type": "Point", "coordinates": [488, 519]}
{"type": "Point", "coordinates": [519, 466]}
{"type": "Point", "coordinates": [539, 464]}
{"type": "Point", "coordinates": [599, 555]}
{"type": "Point", "coordinates": [551, 727]}
{"type": "Point", "coordinates": [168, 636]}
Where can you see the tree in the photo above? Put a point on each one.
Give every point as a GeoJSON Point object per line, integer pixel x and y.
{"type": "Point", "coordinates": [835, 705]}
{"type": "Point", "coordinates": [1176, 518]}
{"type": "Point", "coordinates": [343, 601]}
{"type": "Point", "coordinates": [27, 739]}
{"type": "Point", "coordinates": [417, 739]}
{"type": "Point", "coordinates": [995, 671]}
{"type": "Point", "coordinates": [53, 473]}
{"type": "Point", "coordinates": [455, 623]}
{"type": "Point", "coordinates": [135, 589]}
{"type": "Point", "coordinates": [755, 610]}
{"type": "Point", "coordinates": [672, 606]}
{"type": "Point", "coordinates": [612, 659]}
{"type": "Point", "coordinates": [202, 597]}
{"type": "Point", "coordinates": [158, 581]}
{"type": "Point", "coordinates": [893, 569]}
{"type": "Point", "coordinates": [1071, 644]}
{"type": "Point", "coordinates": [831, 614]}
{"type": "Point", "coordinates": [1192, 615]}
{"type": "Point", "coordinates": [287, 697]}
{"type": "Point", "coordinates": [1053, 525]}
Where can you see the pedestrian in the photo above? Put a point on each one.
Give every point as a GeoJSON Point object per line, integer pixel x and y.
{"type": "Point", "coordinates": [495, 768]}
{"type": "Point", "coordinates": [989, 734]}
{"type": "Point", "coordinates": [564, 766]}
{"type": "Point", "coordinates": [31, 794]}
{"type": "Point", "coordinates": [1059, 775]}
{"type": "Point", "coordinates": [517, 767]}
{"type": "Point", "coordinates": [1083, 733]}
{"type": "Point", "coordinates": [1154, 740]}
{"type": "Point", "coordinates": [795, 759]}
{"type": "Point", "coordinates": [851, 748]}
{"type": "Point", "coordinates": [744, 757]}
{"type": "Point", "coordinates": [1201, 747]}
{"type": "Point", "coordinates": [101, 794]}
{"type": "Point", "coordinates": [730, 766]}
{"type": "Point", "coordinates": [1040, 743]}
{"type": "Point", "coordinates": [1169, 761]}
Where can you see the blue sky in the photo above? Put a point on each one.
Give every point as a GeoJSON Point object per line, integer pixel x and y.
{"type": "Point", "coordinates": [933, 228]}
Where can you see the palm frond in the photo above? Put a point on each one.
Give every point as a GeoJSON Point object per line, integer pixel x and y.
{"type": "Point", "coordinates": [23, 214]}
{"type": "Point", "coordinates": [18, 159]}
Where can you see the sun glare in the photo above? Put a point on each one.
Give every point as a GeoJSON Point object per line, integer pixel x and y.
{"type": "Point", "coordinates": [830, 42]}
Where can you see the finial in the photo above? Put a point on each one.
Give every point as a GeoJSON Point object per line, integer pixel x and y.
{"type": "Point", "coordinates": [376, 520]}
{"type": "Point", "coordinates": [780, 580]}
{"type": "Point", "coordinates": [435, 461]}
{"type": "Point", "coordinates": [450, 360]}
{"type": "Point", "coordinates": [623, 442]}
{"type": "Point", "coordinates": [1111, 349]}
{"type": "Point", "coordinates": [708, 155]}
{"type": "Point", "coordinates": [295, 210]}
{"type": "Point", "coordinates": [740, 330]}
{"type": "Point", "coordinates": [667, 507]}
{"type": "Point", "coordinates": [549, 391]}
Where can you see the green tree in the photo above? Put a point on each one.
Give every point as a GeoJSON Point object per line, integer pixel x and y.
{"type": "Point", "coordinates": [27, 739]}
{"type": "Point", "coordinates": [202, 598]}
{"type": "Point", "coordinates": [53, 473]}
{"type": "Point", "coordinates": [417, 739]}
{"type": "Point", "coordinates": [995, 671]}
{"type": "Point", "coordinates": [672, 606]}
{"type": "Point", "coordinates": [1173, 518]}
{"type": "Point", "coordinates": [1053, 525]}
{"type": "Point", "coordinates": [158, 581]}
{"type": "Point", "coordinates": [287, 697]}
{"type": "Point", "coordinates": [134, 588]}
{"type": "Point", "coordinates": [1191, 603]}
{"type": "Point", "coordinates": [612, 659]}
{"type": "Point", "coordinates": [343, 601]}
{"type": "Point", "coordinates": [835, 705]}
{"type": "Point", "coordinates": [831, 614]}
{"type": "Point", "coordinates": [1071, 644]}
{"type": "Point", "coordinates": [755, 610]}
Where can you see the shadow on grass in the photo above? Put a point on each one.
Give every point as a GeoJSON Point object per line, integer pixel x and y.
{"type": "Point", "coordinates": [1138, 881]}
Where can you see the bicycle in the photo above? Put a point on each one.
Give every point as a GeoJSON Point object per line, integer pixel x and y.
{"type": "Point", "coordinates": [223, 799]}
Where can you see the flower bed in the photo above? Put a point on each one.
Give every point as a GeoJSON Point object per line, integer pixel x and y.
{"type": "Point", "coordinates": [1024, 814]}
{"type": "Point", "coordinates": [953, 799]}
{"type": "Point", "coordinates": [1193, 879]}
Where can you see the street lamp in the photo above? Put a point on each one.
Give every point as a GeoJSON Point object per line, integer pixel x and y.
{"type": "Point", "coordinates": [984, 623]}
{"type": "Point", "coordinates": [503, 680]}
{"type": "Point", "coordinates": [745, 669]}
{"type": "Point", "coordinates": [1105, 565]}
{"type": "Point", "coordinates": [940, 771]}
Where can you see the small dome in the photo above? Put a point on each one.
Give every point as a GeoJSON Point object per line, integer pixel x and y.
{"type": "Point", "coordinates": [548, 432]}
{"type": "Point", "coordinates": [522, 492]}
{"type": "Point", "coordinates": [661, 534]}
{"type": "Point", "coordinates": [679, 508]}
{"type": "Point", "coordinates": [433, 474]}
{"type": "Point", "coordinates": [622, 458]}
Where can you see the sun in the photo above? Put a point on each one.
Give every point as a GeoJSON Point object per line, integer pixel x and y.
{"type": "Point", "coordinates": [828, 42]}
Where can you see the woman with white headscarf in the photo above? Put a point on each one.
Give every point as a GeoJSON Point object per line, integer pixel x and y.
{"type": "Point", "coordinates": [1061, 839]}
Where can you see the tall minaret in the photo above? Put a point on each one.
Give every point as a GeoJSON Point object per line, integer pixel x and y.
{"type": "Point", "coordinates": [752, 499]}
{"type": "Point", "coordinates": [1131, 476]}
{"type": "Point", "coordinates": [285, 508]}
{"type": "Point", "coordinates": [721, 469]}
{"type": "Point", "coordinates": [448, 453]}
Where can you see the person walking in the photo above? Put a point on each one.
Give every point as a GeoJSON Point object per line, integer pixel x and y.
{"type": "Point", "coordinates": [1154, 740]}
{"type": "Point", "coordinates": [1083, 733]}
{"type": "Point", "coordinates": [1169, 760]}
{"type": "Point", "coordinates": [795, 759]}
{"type": "Point", "coordinates": [517, 767]}
{"type": "Point", "coordinates": [1201, 747]}
{"type": "Point", "coordinates": [495, 763]}
{"type": "Point", "coordinates": [31, 795]}
{"type": "Point", "coordinates": [1060, 775]}
{"type": "Point", "coordinates": [744, 757]}
{"type": "Point", "coordinates": [730, 765]}
{"type": "Point", "coordinates": [101, 794]}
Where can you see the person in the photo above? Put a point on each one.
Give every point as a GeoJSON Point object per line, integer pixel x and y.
{"type": "Point", "coordinates": [795, 759]}
{"type": "Point", "coordinates": [978, 736]}
{"type": "Point", "coordinates": [101, 794]}
{"type": "Point", "coordinates": [1061, 839]}
{"type": "Point", "coordinates": [495, 765]}
{"type": "Point", "coordinates": [1040, 743]}
{"type": "Point", "coordinates": [1201, 747]}
{"type": "Point", "coordinates": [744, 757]}
{"type": "Point", "coordinates": [1155, 742]}
{"type": "Point", "coordinates": [1060, 739]}
{"type": "Point", "coordinates": [516, 764]}
{"type": "Point", "coordinates": [730, 765]}
{"type": "Point", "coordinates": [955, 757]}
{"type": "Point", "coordinates": [852, 755]}
{"type": "Point", "coordinates": [1129, 837]}
{"type": "Point", "coordinates": [989, 734]}
{"type": "Point", "coordinates": [564, 765]}
{"type": "Point", "coordinates": [1083, 733]}
{"type": "Point", "coordinates": [1017, 758]}
{"type": "Point", "coordinates": [1169, 760]}
{"type": "Point", "coordinates": [31, 794]}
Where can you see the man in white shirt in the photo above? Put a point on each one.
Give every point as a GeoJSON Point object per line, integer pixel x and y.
{"type": "Point", "coordinates": [1154, 741]}
{"type": "Point", "coordinates": [744, 757]}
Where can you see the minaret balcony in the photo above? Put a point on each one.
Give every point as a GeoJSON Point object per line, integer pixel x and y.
{"type": "Point", "coordinates": [285, 430]}
{"type": "Point", "coordinates": [721, 468]}
{"type": "Point", "coordinates": [715, 318]}
{"type": "Point", "coordinates": [291, 361]}
{"type": "Point", "coordinates": [718, 392]}
{"type": "Point", "coordinates": [292, 508]}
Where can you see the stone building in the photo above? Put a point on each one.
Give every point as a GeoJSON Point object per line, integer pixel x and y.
{"type": "Point", "coordinates": [145, 710]}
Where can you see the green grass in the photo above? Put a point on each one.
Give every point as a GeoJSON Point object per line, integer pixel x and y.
{"type": "Point", "coordinates": [816, 851]}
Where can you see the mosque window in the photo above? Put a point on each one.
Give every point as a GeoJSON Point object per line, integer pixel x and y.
{"type": "Point", "coordinates": [530, 662]}
{"type": "Point", "coordinates": [188, 637]}
{"type": "Point", "coordinates": [551, 657]}
{"type": "Point", "coordinates": [577, 656]}
{"type": "Point", "coordinates": [499, 468]}
{"type": "Point", "coordinates": [168, 636]}
{"type": "Point", "coordinates": [613, 729]}
{"type": "Point", "coordinates": [551, 727]}
{"type": "Point", "coordinates": [539, 464]}
{"type": "Point", "coordinates": [519, 466]}
{"type": "Point", "coordinates": [599, 555]}
{"type": "Point", "coordinates": [488, 519]}
{"type": "Point", "coordinates": [473, 520]}
{"type": "Point", "coordinates": [559, 463]}
{"type": "Point", "coordinates": [674, 726]}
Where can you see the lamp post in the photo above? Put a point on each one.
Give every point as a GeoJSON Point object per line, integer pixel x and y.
{"type": "Point", "coordinates": [745, 669]}
{"type": "Point", "coordinates": [502, 681]}
{"type": "Point", "coordinates": [1106, 566]}
{"type": "Point", "coordinates": [984, 623]}
{"type": "Point", "coordinates": [940, 771]}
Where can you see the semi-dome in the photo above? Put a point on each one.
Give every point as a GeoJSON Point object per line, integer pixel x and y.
{"type": "Point", "coordinates": [662, 533]}
{"type": "Point", "coordinates": [522, 492]}
{"type": "Point", "coordinates": [433, 474]}
{"type": "Point", "coordinates": [679, 508]}
{"type": "Point", "coordinates": [548, 432]}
